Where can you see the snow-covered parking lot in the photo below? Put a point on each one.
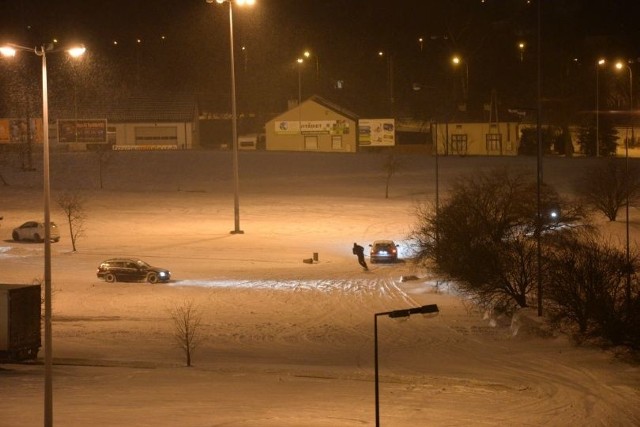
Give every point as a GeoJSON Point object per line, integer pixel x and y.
{"type": "Point", "coordinates": [285, 343]}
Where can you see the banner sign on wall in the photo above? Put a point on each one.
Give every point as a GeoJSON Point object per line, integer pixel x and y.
{"type": "Point", "coordinates": [94, 130]}
{"type": "Point", "coordinates": [312, 127]}
{"type": "Point", "coordinates": [377, 132]}
{"type": "Point", "coordinates": [16, 130]}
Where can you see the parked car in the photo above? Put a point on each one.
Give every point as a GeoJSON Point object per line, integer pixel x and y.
{"type": "Point", "coordinates": [33, 230]}
{"type": "Point", "coordinates": [131, 270]}
{"type": "Point", "coordinates": [383, 251]}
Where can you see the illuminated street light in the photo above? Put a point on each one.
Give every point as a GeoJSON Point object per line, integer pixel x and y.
{"type": "Point", "coordinates": [234, 115]}
{"type": "Point", "coordinates": [10, 51]}
{"type": "Point", "coordinates": [599, 64]}
{"type": "Point", "coordinates": [620, 65]}
{"type": "Point", "coordinates": [300, 61]}
{"type": "Point", "coordinates": [521, 47]}
{"type": "Point", "coordinates": [456, 61]}
{"type": "Point", "coordinates": [425, 309]}
{"type": "Point", "coordinates": [308, 54]}
{"type": "Point", "coordinates": [389, 58]}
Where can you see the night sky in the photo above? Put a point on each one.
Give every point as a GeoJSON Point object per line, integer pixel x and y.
{"type": "Point", "coordinates": [345, 37]}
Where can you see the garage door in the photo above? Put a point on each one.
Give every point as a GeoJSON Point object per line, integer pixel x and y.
{"type": "Point", "coordinates": [156, 135]}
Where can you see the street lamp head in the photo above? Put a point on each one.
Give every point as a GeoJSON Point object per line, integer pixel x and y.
{"type": "Point", "coordinates": [300, 60]}
{"type": "Point", "coordinates": [602, 61]}
{"type": "Point", "coordinates": [7, 51]}
{"type": "Point", "coordinates": [76, 51]}
{"type": "Point", "coordinates": [238, 2]}
{"type": "Point", "coordinates": [10, 50]}
{"type": "Point", "coordinates": [456, 60]}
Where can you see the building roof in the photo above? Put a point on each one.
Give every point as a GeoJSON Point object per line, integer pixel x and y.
{"type": "Point", "coordinates": [148, 108]}
{"type": "Point", "coordinates": [327, 104]}
{"type": "Point", "coordinates": [157, 109]}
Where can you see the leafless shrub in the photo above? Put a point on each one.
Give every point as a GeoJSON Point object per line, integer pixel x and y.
{"type": "Point", "coordinates": [588, 289]}
{"type": "Point", "coordinates": [73, 205]}
{"type": "Point", "coordinates": [105, 157]}
{"type": "Point", "coordinates": [187, 319]}
{"type": "Point", "coordinates": [605, 186]}
{"type": "Point", "coordinates": [391, 165]}
{"type": "Point", "coordinates": [484, 236]}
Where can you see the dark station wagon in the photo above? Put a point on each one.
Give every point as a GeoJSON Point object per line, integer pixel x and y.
{"type": "Point", "coordinates": [131, 270]}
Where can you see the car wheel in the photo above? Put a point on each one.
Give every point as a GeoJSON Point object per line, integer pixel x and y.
{"type": "Point", "coordinates": [152, 277]}
{"type": "Point", "coordinates": [16, 236]}
{"type": "Point", "coordinates": [37, 238]}
{"type": "Point", "coordinates": [110, 277]}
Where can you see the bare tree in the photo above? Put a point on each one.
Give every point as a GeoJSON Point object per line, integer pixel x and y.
{"type": "Point", "coordinates": [73, 205]}
{"type": "Point", "coordinates": [4, 154]}
{"type": "Point", "coordinates": [605, 186]}
{"type": "Point", "coordinates": [483, 237]}
{"type": "Point", "coordinates": [105, 155]}
{"type": "Point", "coordinates": [186, 321]}
{"type": "Point", "coordinates": [587, 288]}
{"type": "Point", "coordinates": [391, 165]}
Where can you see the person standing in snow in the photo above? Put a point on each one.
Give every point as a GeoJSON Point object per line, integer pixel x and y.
{"type": "Point", "coordinates": [359, 251]}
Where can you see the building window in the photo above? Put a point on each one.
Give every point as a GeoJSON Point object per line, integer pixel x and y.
{"type": "Point", "coordinates": [494, 142]}
{"type": "Point", "coordinates": [111, 135]}
{"type": "Point", "coordinates": [310, 142]}
{"type": "Point", "coordinates": [336, 142]}
{"type": "Point", "coordinates": [459, 144]}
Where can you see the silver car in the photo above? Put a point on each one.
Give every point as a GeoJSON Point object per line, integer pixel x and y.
{"type": "Point", "coordinates": [383, 251]}
{"type": "Point", "coordinates": [33, 230]}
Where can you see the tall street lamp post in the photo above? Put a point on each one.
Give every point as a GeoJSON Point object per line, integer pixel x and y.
{"type": "Point", "coordinates": [521, 48]}
{"type": "Point", "coordinates": [307, 54]}
{"type": "Point", "coordinates": [539, 176]}
{"type": "Point", "coordinates": [234, 115]}
{"type": "Point", "coordinates": [620, 66]}
{"type": "Point", "coordinates": [456, 61]}
{"type": "Point", "coordinates": [389, 81]}
{"type": "Point", "coordinates": [425, 309]}
{"type": "Point", "coordinates": [600, 63]}
{"type": "Point", "coordinates": [41, 51]}
{"type": "Point", "coordinates": [300, 61]}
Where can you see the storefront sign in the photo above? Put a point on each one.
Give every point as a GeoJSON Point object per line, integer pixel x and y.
{"type": "Point", "coordinates": [94, 131]}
